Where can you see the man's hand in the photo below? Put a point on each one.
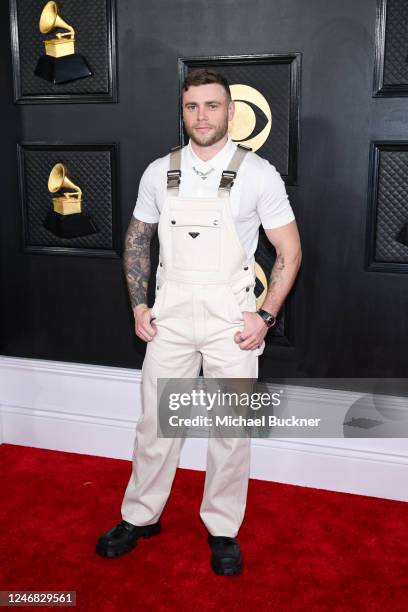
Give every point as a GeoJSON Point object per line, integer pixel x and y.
{"type": "Point", "coordinates": [144, 328]}
{"type": "Point", "coordinates": [253, 333]}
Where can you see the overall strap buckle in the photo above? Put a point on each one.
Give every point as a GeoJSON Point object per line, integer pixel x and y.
{"type": "Point", "coordinates": [173, 179]}
{"type": "Point", "coordinates": [174, 173]}
{"type": "Point", "coordinates": [227, 179]}
{"type": "Point", "coordinates": [228, 176]}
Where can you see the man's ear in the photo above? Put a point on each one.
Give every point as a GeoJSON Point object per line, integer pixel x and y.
{"type": "Point", "coordinates": [231, 110]}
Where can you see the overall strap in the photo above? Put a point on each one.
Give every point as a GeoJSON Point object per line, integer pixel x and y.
{"type": "Point", "coordinates": [228, 176]}
{"type": "Point", "coordinates": [174, 174]}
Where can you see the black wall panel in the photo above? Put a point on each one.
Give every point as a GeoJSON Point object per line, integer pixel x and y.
{"type": "Point", "coordinates": [345, 319]}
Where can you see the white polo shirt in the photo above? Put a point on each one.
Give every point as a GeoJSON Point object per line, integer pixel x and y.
{"type": "Point", "coordinates": [257, 197]}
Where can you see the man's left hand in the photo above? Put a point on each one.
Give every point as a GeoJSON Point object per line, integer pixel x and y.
{"type": "Point", "coordinates": [253, 333]}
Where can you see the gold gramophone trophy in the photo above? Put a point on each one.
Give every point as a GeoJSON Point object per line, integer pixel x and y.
{"type": "Point", "coordinates": [66, 218]}
{"type": "Point", "coordinates": [60, 63]}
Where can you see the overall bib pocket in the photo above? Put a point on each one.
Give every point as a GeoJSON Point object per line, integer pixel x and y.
{"type": "Point", "coordinates": [195, 239]}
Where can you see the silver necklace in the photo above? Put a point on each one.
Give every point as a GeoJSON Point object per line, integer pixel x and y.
{"type": "Point", "coordinates": [203, 175]}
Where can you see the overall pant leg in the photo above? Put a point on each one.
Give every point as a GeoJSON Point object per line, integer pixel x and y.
{"type": "Point", "coordinates": [155, 460]}
{"type": "Point", "coordinates": [228, 459]}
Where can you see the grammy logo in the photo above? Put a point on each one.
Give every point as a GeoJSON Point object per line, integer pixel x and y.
{"type": "Point", "coordinates": [60, 64]}
{"type": "Point", "coordinates": [70, 201]}
{"type": "Point", "coordinates": [66, 219]}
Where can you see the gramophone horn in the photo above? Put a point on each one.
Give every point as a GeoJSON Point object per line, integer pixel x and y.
{"type": "Point", "coordinates": [50, 19]}
{"type": "Point", "coordinates": [58, 180]}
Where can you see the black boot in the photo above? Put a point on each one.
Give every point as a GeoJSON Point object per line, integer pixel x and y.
{"type": "Point", "coordinates": [122, 538]}
{"type": "Point", "coordinates": [226, 557]}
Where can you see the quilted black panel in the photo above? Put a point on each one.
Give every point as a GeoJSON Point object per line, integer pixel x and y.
{"type": "Point", "coordinates": [90, 22]}
{"type": "Point", "coordinates": [273, 81]}
{"type": "Point", "coordinates": [392, 206]}
{"type": "Point", "coordinates": [396, 42]}
{"type": "Point", "coordinates": [91, 170]}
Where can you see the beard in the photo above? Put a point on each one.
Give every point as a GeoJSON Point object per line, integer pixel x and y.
{"type": "Point", "coordinates": [207, 140]}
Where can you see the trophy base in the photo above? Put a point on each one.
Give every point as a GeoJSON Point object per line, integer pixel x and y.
{"type": "Point", "coordinates": [69, 226]}
{"type": "Point", "coordinates": [64, 69]}
{"type": "Point", "coordinates": [403, 235]}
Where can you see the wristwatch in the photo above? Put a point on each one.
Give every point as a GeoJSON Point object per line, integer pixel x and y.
{"type": "Point", "coordinates": [268, 318]}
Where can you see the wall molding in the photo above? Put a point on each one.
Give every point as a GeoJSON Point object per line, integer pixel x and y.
{"type": "Point", "coordinates": [93, 410]}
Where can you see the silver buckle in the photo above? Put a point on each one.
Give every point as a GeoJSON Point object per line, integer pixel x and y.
{"type": "Point", "coordinates": [227, 179]}
{"type": "Point", "coordinates": [173, 179]}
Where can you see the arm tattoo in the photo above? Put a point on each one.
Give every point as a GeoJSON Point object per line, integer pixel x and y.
{"type": "Point", "coordinates": [277, 270]}
{"type": "Point", "coordinates": [136, 259]}
{"type": "Point", "coordinates": [276, 278]}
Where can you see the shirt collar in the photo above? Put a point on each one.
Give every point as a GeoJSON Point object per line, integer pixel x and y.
{"type": "Point", "coordinates": [219, 162]}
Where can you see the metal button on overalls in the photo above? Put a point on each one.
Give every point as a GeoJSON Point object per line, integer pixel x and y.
{"type": "Point", "coordinates": [204, 282]}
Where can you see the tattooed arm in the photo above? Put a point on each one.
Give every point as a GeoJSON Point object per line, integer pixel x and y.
{"type": "Point", "coordinates": [288, 258]}
{"type": "Point", "coordinates": [136, 262]}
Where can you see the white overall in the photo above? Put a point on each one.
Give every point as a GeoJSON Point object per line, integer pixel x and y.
{"type": "Point", "coordinates": [204, 282]}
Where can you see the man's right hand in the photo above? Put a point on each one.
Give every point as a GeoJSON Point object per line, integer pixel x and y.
{"type": "Point", "coordinates": [144, 328]}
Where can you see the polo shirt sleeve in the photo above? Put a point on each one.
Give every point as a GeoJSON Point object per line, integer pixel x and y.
{"type": "Point", "coordinates": [146, 209]}
{"type": "Point", "coordinates": [273, 206]}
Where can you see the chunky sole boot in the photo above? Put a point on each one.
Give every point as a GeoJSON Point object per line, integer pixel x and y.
{"type": "Point", "coordinates": [123, 538]}
{"type": "Point", "coordinates": [226, 557]}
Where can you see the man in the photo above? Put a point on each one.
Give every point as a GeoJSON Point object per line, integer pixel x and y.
{"type": "Point", "coordinates": [208, 215]}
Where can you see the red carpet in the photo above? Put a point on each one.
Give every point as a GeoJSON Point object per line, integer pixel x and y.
{"type": "Point", "coordinates": [304, 549]}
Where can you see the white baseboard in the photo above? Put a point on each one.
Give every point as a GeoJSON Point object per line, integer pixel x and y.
{"type": "Point", "coordinates": [93, 410]}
